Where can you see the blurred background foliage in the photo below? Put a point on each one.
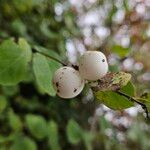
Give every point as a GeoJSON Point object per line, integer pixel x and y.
{"type": "Point", "coordinates": [31, 120]}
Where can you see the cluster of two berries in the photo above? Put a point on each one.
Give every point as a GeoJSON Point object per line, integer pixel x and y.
{"type": "Point", "coordinates": [69, 82]}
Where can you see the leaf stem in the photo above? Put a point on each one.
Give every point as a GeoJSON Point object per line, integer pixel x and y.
{"type": "Point", "coordinates": [136, 101]}
{"type": "Point", "coordinates": [51, 57]}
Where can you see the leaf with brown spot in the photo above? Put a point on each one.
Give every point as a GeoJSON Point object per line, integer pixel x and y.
{"type": "Point", "coordinates": [111, 82]}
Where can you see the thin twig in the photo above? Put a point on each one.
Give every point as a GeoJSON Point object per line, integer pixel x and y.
{"type": "Point", "coordinates": [134, 100]}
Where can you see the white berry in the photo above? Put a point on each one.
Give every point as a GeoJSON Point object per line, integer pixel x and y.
{"type": "Point", "coordinates": [67, 82]}
{"type": "Point", "coordinates": [93, 65]}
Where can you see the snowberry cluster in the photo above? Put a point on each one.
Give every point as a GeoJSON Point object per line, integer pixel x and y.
{"type": "Point", "coordinates": [69, 82]}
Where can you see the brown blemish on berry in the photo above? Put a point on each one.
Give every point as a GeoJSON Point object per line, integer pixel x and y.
{"type": "Point", "coordinates": [58, 91]}
{"type": "Point", "coordinates": [75, 90]}
{"type": "Point", "coordinates": [75, 67]}
{"type": "Point", "coordinates": [57, 84]}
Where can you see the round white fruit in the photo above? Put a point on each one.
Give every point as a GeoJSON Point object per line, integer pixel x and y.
{"type": "Point", "coordinates": [67, 82]}
{"type": "Point", "coordinates": [93, 65]}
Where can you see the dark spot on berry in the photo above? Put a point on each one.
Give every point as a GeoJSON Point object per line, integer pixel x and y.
{"type": "Point", "coordinates": [64, 68]}
{"type": "Point", "coordinates": [62, 72]}
{"type": "Point", "coordinates": [58, 91]}
{"type": "Point", "coordinates": [75, 90]}
{"type": "Point", "coordinates": [75, 67]}
{"type": "Point", "coordinates": [60, 78]}
{"type": "Point", "coordinates": [57, 84]}
{"type": "Point", "coordinates": [103, 60]}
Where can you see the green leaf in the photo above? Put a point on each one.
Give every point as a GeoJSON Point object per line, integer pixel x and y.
{"type": "Point", "coordinates": [113, 100]}
{"type": "Point", "coordinates": [68, 18]}
{"type": "Point", "coordinates": [14, 121]}
{"type": "Point", "coordinates": [74, 132]}
{"type": "Point", "coordinates": [44, 50]}
{"type": "Point", "coordinates": [10, 90]}
{"type": "Point", "coordinates": [19, 27]}
{"type": "Point", "coordinates": [53, 65]}
{"type": "Point", "coordinates": [121, 51]}
{"type": "Point", "coordinates": [3, 147]}
{"type": "Point", "coordinates": [23, 143]}
{"type": "Point", "coordinates": [111, 81]}
{"type": "Point", "coordinates": [88, 138]}
{"type": "Point", "coordinates": [53, 136]}
{"type": "Point", "coordinates": [23, 44]}
{"type": "Point", "coordinates": [129, 89]}
{"type": "Point", "coordinates": [43, 74]}
{"type": "Point", "coordinates": [24, 6]}
{"type": "Point", "coordinates": [44, 27]}
{"type": "Point", "coordinates": [37, 2]}
{"type": "Point", "coordinates": [3, 103]}
{"type": "Point", "coordinates": [37, 126]}
{"type": "Point", "coordinates": [13, 63]}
